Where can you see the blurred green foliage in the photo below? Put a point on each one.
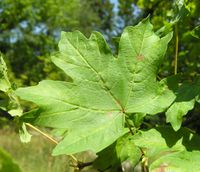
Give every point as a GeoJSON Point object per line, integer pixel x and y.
{"type": "Point", "coordinates": [30, 30]}
{"type": "Point", "coordinates": [6, 163]}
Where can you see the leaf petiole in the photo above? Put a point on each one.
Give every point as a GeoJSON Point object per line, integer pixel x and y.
{"type": "Point", "coordinates": [50, 138]}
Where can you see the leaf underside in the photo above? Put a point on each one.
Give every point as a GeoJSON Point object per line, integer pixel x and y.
{"type": "Point", "coordinates": [92, 108]}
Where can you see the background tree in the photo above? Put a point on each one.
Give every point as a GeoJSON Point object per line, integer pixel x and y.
{"type": "Point", "coordinates": [30, 31]}
{"type": "Point", "coordinates": [162, 13]}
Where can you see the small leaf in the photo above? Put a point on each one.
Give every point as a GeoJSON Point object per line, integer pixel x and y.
{"type": "Point", "coordinates": [163, 142]}
{"type": "Point", "coordinates": [126, 150]}
{"type": "Point", "coordinates": [187, 94]}
{"type": "Point", "coordinates": [136, 119]}
{"type": "Point", "coordinates": [180, 10]}
{"type": "Point", "coordinates": [8, 100]}
{"type": "Point", "coordinates": [25, 137]}
{"type": "Point", "coordinates": [196, 32]}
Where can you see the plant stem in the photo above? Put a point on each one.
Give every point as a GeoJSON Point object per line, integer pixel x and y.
{"type": "Point", "coordinates": [176, 50]}
{"type": "Point", "coordinates": [49, 137]}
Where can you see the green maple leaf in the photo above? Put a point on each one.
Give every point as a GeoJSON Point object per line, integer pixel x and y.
{"type": "Point", "coordinates": [167, 150]}
{"type": "Point", "coordinates": [105, 88]}
{"type": "Point", "coordinates": [187, 95]}
{"type": "Point", "coordinates": [178, 162]}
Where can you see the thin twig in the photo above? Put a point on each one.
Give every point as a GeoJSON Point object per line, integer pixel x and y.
{"type": "Point", "coordinates": [176, 50]}
{"type": "Point", "coordinates": [50, 138]}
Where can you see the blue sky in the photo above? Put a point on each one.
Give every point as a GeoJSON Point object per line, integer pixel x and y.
{"type": "Point", "coordinates": [114, 2]}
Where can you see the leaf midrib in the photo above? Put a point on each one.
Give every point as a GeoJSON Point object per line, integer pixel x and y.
{"type": "Point", "coordinates": [64, 111]}
{"type": "Point", "coordinates": [82, 107]}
